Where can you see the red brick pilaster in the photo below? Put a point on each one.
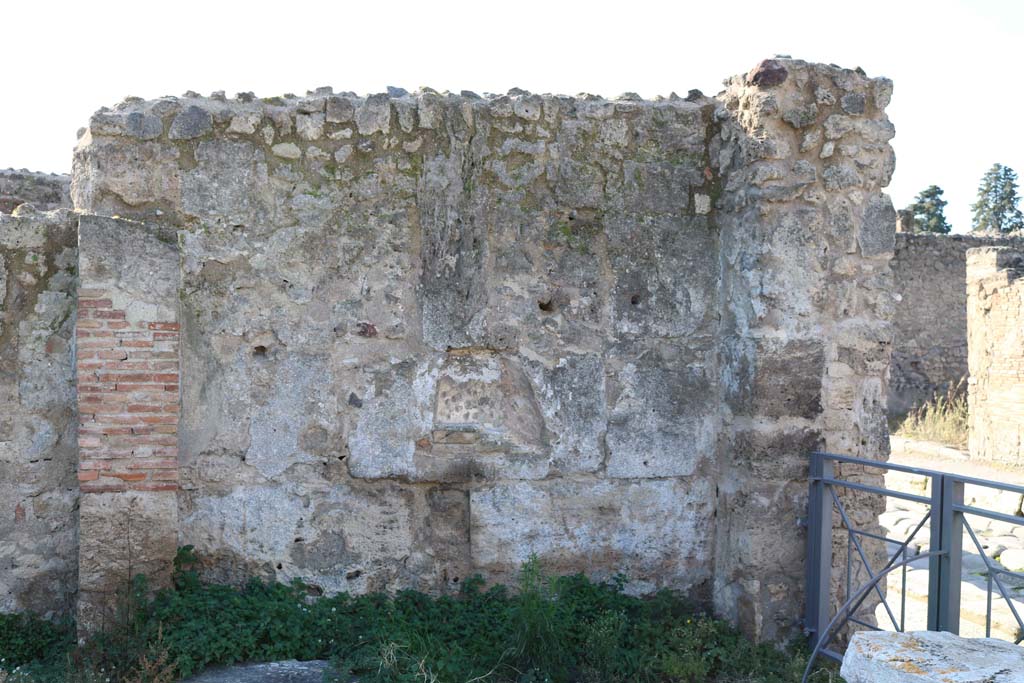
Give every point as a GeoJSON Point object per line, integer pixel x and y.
{"type": "Point", "coordinates": [128, 388]}
{"type": "Point", "coordinates": [128, 399]}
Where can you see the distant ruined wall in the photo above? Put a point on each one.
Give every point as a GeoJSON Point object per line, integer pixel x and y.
{"type": "Point", "coordinates": [995, 323]}
{"type": "Point", "coordinates": [38, 420]}
{"type": "Point", "coordinates": [424, 336]}
{"type": "Point", "coordinates": [44, 191]}
{"type": "Point", "coordinates": [930, 347]}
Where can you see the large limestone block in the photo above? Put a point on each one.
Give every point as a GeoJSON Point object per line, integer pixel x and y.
{"type": "Point", "coordinates": [659, 533]}
{"type": "Point", "coordinates": [289, 671]}
{"type": "Point", "coordinates": [121, 536]}
{"type": "Point", "coordinates": [931, 657]}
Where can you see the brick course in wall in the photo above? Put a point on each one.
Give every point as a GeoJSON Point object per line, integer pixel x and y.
{"type": "Point", "coordinates": [128, 385]}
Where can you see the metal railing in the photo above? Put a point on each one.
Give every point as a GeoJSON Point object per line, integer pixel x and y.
{"type": "Point", "coordinates": [948, 517]}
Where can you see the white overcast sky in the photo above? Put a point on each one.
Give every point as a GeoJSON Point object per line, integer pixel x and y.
{"type": "Point", "coordinates": [957, 64]}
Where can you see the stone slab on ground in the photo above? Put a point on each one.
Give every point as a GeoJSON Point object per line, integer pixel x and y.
{"type": "Point", "coordinates": [289, 671]}
{"type": "Point", "coordinates": [931, 657]}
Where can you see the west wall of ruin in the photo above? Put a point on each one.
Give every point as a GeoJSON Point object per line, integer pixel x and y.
{"type": "Point", "coordinates": [995, 323]}
{"type": "Point", "coordinates": [38, 417]}
{"type": "Point", "coordinates": [930, 322]}
{"type": "Point", "coordinates": [424, 336]}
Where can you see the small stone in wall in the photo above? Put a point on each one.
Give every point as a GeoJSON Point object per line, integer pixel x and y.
{"type": "Point", "coordinates": [144, 126]}
{"type": "Point", "coordinates": [801, 117]}
{"type": "Point", "coordinates": [767, 74]}
{"type": "Point", "coordinates": [701, 204]}
{"type": "Point", "coordinates": [824, 96]}
{"type": "Point", "coordinates": [374, 116]}
{"type": "Point", "coordinates": [192, 122]}
{"type": "Point", "coordinates": [287, 150]}
{"type": "Point", "coordinates": [244, 124]}
{"type": "Point", "coordinates": [811, 140]}
{"type": "Point", "coordinates": [340, 110]}
{"type": "Point", "coordinates": [310, 126]}
{"type": "Point", "coordinates": [366, 330]}
{"type": "Point", "coordinates": [343, 153]}
{"type": "Point", "coordinates": [837, 125]}
{"type": "Point", "coordinates": [852, 103]}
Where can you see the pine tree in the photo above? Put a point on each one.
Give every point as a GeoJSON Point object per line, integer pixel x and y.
{"type": "Point", "coordinates": [929, 210]}
{"type": "Point", "coordinates": [997, 206]}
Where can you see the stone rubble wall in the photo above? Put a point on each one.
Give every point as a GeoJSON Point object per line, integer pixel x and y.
{"type": "Point", "coordinates": [807, 297]}
{"type": "Point", "coordinates": [424, 336]}
{"type": "Point", "coordinates": [930, 347]}
{"type": "Point", "coordinates": [38, 420]}
{"type": "Point", "coordinates": [44, 191]}
{"type": "Point", "coordinates": [427, 336]}
{"type": "Point", "coordinates": [995, 324]}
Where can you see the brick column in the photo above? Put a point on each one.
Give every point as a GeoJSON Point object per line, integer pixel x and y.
{"type": "Point", "coordinates": [128, 389]}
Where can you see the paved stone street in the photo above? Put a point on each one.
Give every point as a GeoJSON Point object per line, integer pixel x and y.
{"type": "Point", "coordinates": [1001, 543]}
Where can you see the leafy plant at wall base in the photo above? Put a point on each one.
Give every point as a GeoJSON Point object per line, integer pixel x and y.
{"type": "Point", "coordinates": [25, 638]}
{"type": "Point", "coordinates": [548, 629]}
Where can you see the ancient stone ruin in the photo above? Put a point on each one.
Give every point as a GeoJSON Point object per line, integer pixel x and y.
{"type": "Point", "coordinates": [930, 323]}
{"type": "Point", "coordinates": [995, 315]}
{"type": "Point", "coordinates": [396, 340]}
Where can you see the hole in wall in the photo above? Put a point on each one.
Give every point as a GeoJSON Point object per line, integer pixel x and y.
{"type": "Point", "coordinates": [547, 306]}
{"type": "Point", "coordinates": [635, 299]}
{"type": "Point", "coordinates": [259, 351]}
{"type": "Point", "coordinates": [354, 574]}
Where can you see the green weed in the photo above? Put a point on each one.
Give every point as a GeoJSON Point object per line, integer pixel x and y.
{"type": "Point", "coordinates": [943, 419]}
{"type": "Point", "coordinates": [553, 629]}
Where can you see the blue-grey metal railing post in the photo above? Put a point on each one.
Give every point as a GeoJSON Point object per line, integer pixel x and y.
{"type": "Point", "coordinates": [944, 570]}
{"type": "Point", "coordinates": [935, 544]}
{"type": "Point", "coordinates": [819, 550]}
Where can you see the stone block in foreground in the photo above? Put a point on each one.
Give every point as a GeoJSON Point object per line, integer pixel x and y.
{"type": "Point", "coordinates": [931, 656]}
{"type": "Point", "coordinates": [289, 671]}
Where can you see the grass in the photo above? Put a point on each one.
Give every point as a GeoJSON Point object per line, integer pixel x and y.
{"type": "Point", "coordinates": [563, 629]}
{"type": "Point", "coordinates": [943, 419]}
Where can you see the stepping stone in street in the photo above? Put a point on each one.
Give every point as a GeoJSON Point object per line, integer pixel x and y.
{"type": "Point", "coordinates": [930, 657]}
